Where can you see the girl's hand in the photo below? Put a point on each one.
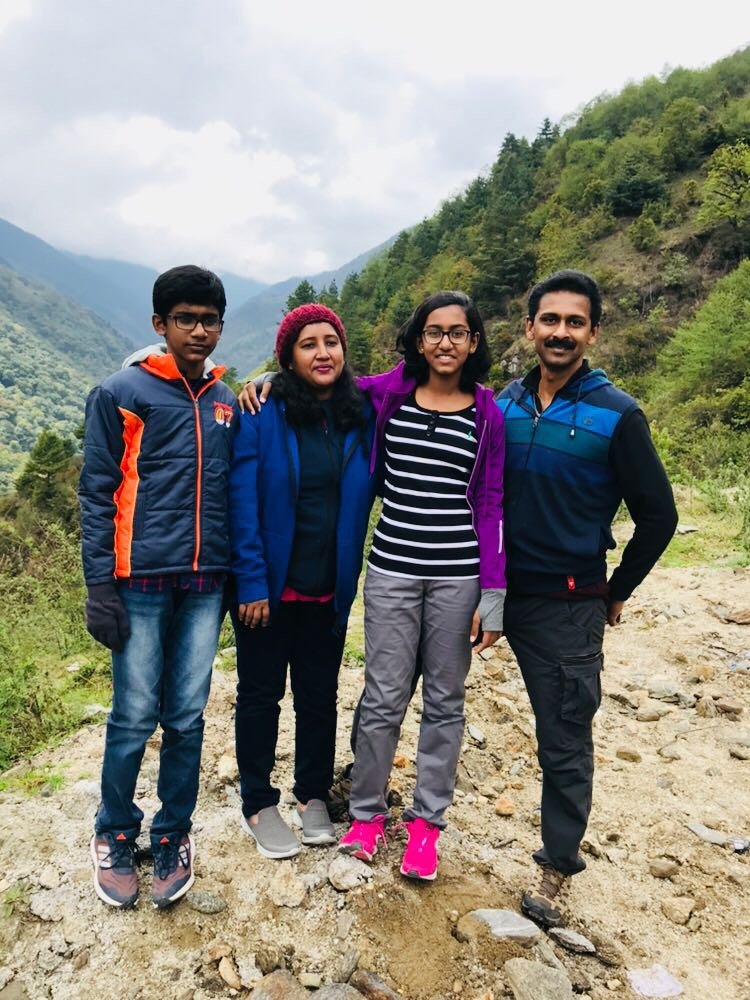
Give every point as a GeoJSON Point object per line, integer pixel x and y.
{"type": "Point", "coordinates": [480, 639]}
{"type": "Point", "coordinates": [250, 400]}
{"type": "Point", "coordinates": [255, 614]}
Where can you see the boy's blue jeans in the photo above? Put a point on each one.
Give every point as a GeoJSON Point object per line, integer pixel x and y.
{"type": "Point", "coordinates": [162, 676]}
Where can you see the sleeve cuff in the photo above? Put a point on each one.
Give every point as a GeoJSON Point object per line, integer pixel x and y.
{"type": "Point", "coordinates": [491, 606]}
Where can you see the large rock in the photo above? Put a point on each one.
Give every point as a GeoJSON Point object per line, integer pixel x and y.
{"type": "Point", "coordinates": [368, 985]}
{"type": "Point", "coordinates": [534, 981]}
{"type": "Point", "coordinates": [678, 909]}
{"type": "Point", "coordinates": [502, 925]}
{"type": "Point", "coordinates": [347, 873]}
{"type": "Point", "coordinates": [572, 941]}
{"type": "Point", "coordinates": [338, 991]}
{"type": "Point", "coordinates": [279, 985]}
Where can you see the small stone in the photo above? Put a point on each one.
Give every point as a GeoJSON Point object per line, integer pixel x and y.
{"type": "Point", "coordinates": [613, 984]}
{"type": "Point", "coordinates": [310, 980]}
{"type": "Point", "coordinates": [706, 708]}
{"type": "Point", "coordinates": [345, 967]}
{"type": "Point", "coordinates": [590, 846]}
{"type": "Point", "coordinates": [218, 949]}
{"type": "Point", "coordinates": [739, 753]}
{"type": "Point", "coordinates": [572, 941]}
{"type": "Point", "coordinates": [705, 833]}
{"type": "Point", "coordinates": [677, 909]}
{"type": "Point", "coordinates": [286, 889]}
{"type": "Point", "coordinates": [628, 753]}
{"type": "Point", "coordinates": [400, 761]}
{"type": "Point", "coordinates": [699, 672]}
{"type": "Point", "coordinates": [205, 902]}
{"type": "Point", "coordinates": [670, 752]}
{"type": "Point", "coordinates": [654, 982]}
{"type": "Point", "coordinates": [651, 712]}
{"type": "Point", "coordinates": [665, 690]}
{"type": "Point", "coordinates": [504, 806]}
{"type": "Point", "coordinates": [227, 770]}
{"type": "Point", "coordinates": [502, 925]}
{"type": "Point", "coordinates": [268, 958]}
{"type": "Point", "coordinates": [228, 973]}
{"type": "Point", "coordinates": [94, 711]}
{"type": "Point", "coordinates": [248, 970]}
{"type": "Point", "coordinates": [534, 981]}
{"type": "Point", "coordinates": [49, 877]}
{"type": "Point", "coordinates": [370, 986]}
{"type": "Point", "coordinates": [279, 985]}
{"type": "Point", "coordinates": [729, 706]}
{"type": "Point", "coordinates": [345, 873]}
{"type": "Point", "coordinates": [47, 905]}
{"type": "Point", "coordinates": [476, 734]}
{"type": "Point", "coordinates": [664, 868]}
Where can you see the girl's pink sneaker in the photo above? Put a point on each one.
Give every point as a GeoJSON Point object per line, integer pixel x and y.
{"type": "Point", "coordinates": [420, 859]}
{"type": "Point", "coordinates": [361, 839]}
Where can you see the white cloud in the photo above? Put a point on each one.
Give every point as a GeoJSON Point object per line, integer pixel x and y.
{"type": "Point", "coordinates": [275, 139]}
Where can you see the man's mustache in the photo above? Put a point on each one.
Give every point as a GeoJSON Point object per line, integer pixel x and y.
{"type": "Point", "coordinates": [564, 343]}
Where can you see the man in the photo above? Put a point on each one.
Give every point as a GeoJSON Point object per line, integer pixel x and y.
{"type": "Point", "coordinates": [575, 448]}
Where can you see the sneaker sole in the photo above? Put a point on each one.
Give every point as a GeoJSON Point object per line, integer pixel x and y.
{"type": "Point", "coordinates": [319, 840]}
{"type": "Point", "coordinates": [162, 904]}
{"type": "Point", "coordinates": [357, 852]}
{"type": "Point", "coordinates": [416, 877]}
{"type": "Point", "coordinates": [274, 855]}
{"type": "Point", "coordinates": [538, 915]}
{"type": "Point", "coordinates": [118, 904]}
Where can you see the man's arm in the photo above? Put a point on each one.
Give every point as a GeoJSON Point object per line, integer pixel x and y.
{"type": "Point", "coordinates": [648, 496]}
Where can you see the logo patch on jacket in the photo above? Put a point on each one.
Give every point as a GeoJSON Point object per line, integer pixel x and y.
{"type": "Point", "coordinates": [223, 414]}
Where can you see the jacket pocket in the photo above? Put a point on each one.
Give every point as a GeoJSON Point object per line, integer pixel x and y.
{"type": "Point", "coordinates": [581, 688]}
{"type": "Point", "coordinates": [139, 515]}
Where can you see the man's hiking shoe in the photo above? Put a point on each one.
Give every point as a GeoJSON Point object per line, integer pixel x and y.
{"type": "Point", "coordinates": [338, 796]}
{"type": "Point", "coordinates": [173, 868]}
{"type": "Point", "coordinates": [420, 859]}
{"type": "Point", "coordinates": [361, 839]}
{"type": "Point", "coordinates": [545, 905]}
{"type": "Point", "coordinates": [272, 836]}
{"type": "Point", "coordinates": [315, 823]}
{"type": "Point", "coordinates": [115, 876]}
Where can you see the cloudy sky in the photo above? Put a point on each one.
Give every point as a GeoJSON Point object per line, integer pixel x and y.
{"type": "Point", "coordinates": [274, 138]}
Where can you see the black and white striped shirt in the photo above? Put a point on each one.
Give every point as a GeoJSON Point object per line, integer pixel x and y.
{"type": "Point", "coordinates": [425, 529]}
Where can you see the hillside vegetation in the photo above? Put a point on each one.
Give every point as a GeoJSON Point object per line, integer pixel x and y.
{"type": "Point", "coordinates": [649, 191]}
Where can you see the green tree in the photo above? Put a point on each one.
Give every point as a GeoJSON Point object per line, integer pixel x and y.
{"type": "Point", "coordinates": [303, 294]}
{"type": "Point", "coordinates": [45, 481]}
{"type": "Point", "coordinates": [726, 194]}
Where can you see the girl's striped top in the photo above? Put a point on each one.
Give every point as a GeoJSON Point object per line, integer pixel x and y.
{"type": "Point", "coordinates": [425, 529]}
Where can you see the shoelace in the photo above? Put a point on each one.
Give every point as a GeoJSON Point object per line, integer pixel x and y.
{"type": "Point", "coordinates": [167, 857]}
{"type": "Point", "coordinates": [553, 883]}
{"type": "Point", "coordinates": [122, 854]}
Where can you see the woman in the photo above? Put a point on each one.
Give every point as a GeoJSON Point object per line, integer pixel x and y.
{"type": "Point", "coordinates": [436, 568]}
{"type": "Point", "coordinates": [300, 496]}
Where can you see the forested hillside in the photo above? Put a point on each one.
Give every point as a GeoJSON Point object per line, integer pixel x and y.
{"type": "Point", "coordinates": [649, 191]}
{"type": "Point", "coordinates": [53, 352]}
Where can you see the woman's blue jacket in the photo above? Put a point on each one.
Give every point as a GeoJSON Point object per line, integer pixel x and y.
{"type": "Point", "coordinates": [263, 488]}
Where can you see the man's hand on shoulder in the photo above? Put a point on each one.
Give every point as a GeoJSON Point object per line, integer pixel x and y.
{"type": "Point", "coordinates": [614, 610]}
{"type": "Point", "coordinates": [252, 395]}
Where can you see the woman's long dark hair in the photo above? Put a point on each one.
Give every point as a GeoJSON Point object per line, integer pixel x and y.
{"type": "Point", "coordinates": [477, 364]}
{"type": "Point", "coordinates": [304, 407]}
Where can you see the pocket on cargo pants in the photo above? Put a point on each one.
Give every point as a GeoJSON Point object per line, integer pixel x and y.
{"type": "Point", "coordinates": [581, 687]}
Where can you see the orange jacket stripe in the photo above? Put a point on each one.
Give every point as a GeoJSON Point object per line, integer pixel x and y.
{"type": "Point", "coordinates": [127, 491]}
{"type": "Point", "coordinates": [165, 367]}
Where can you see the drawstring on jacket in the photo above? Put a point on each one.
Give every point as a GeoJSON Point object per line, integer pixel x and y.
{"type": "Point", "coordinates": [575, 407]}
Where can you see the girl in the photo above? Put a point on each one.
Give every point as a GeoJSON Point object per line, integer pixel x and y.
{"type": "Point", "coordinates": [437, 566]}
{"type": "Point", "coordinates": [300, 496]}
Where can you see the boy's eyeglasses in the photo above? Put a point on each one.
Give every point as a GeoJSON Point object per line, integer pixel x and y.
{"type": "Point", "coordinates": [188, 321]}
{"type": "Point", "coordinates": [456, 334]}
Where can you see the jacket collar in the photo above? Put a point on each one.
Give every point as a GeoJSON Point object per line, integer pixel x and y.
{"type": "Point", "coordinates": [164, 366]}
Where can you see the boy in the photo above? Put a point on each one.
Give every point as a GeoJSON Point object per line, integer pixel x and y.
{"type": "Point", "coordinates": [154, 518]}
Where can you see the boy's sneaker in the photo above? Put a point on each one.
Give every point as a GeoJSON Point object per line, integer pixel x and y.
{"type": "Point", "coordinates": [361, 839]}
{"type": "Point", "coordinates": [115, 876]}
{"type": "Point", "coordinates": [173, 868]}
{"type": "Point", "coordinates": [315, 823]}
{"type": "Point", "coordinates": [420, 859]}
{"type": "Point", "coordinates": [272, 836]}
{"type": "Point", "coordinates": [545, 904]}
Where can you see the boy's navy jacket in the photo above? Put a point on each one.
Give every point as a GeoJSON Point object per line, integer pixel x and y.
{"type": "Point", "coordinates": [263, 489]}
{"type": "Point", "coordinates": [154, 482]}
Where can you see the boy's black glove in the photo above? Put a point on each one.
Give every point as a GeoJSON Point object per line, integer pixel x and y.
{"type": "Point", "coordinates": [106, 617]}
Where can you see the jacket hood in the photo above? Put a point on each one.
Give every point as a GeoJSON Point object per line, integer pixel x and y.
{"type": "Point", "coordinates": [583, 382]}
{"type": "Point", "coordinates": [146, 352]}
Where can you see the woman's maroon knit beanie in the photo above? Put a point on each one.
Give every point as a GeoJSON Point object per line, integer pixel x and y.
{"type": "Point", "coordinates": [292, 324]}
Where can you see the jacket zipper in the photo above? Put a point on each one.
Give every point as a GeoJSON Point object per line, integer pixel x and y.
{"type": "Point", "coordinates": [199, 465]}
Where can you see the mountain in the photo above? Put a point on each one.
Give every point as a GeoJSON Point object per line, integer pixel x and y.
{"type": "Point", "coordinates": [118, 291]}
{"type": "Point", "coordinates": [249, 331]}
{"type": "Point", "coordinates": [54, 351]}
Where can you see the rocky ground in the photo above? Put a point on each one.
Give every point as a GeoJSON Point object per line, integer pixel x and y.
{"type": "Point", "coordinates": [666, 885]}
